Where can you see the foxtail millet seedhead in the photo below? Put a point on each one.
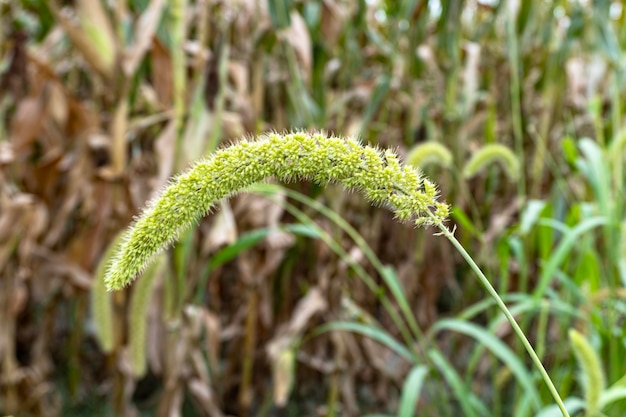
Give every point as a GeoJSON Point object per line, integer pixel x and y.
{"type": "Point", "coordinates": [295, 156]}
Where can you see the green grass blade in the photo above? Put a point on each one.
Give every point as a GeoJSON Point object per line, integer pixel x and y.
{"type": "Point", "coordinates": [499, 349]}
{"type": "Point", "coordinates": [101, 308]}
{"type": "Point", "coordinates": [612, 395]}
{"type": "Point", "coordinates": [379, 94]}
{"type": "Point", "coordinates": [530, 215]}
{"type": "Point", "coordinates": [572, 404]}
{"type": "Point", "coordinates": [411, 391]}
{"type": "Point", "coordinates": [594, 167]}
{"type": "Point", "coordinates": [138, 315]}
{"type": "Point", "coordinates": [388, 274]}
{"type": "Point", "coordinates": [470, 404]}
{"type": "Point", "coordinates": [374, 333]}
{"type": "Point", "coordinates": [244, 242]}
{"type": "Point", "coordinates": [568, 241]}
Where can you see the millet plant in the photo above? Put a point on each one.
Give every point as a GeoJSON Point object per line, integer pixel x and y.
{"type": "Point", "coordinates": [295, 156]}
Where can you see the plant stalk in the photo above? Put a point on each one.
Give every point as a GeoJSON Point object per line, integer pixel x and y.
{"type": "Point", "coordinates": [507, 313]}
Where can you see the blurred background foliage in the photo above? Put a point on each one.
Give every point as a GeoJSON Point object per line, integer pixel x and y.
{"type": "Point", "coordinates": [294, 300]}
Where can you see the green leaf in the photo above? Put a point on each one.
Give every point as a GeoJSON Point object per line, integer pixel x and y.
{"type": "Point", "coordinates": [570, 153]}
{"type": "Point", "coordinates": [588, 271]}
{"type": "Point", "coordinates": [464, 221]}
{"type": "Point", "coordinates": [101, 307]}
{"type": "Point", "coordinates": [572, 404]}
{"type": "Point", "coordinates": [565, 245]}
{"type": "Point", "coordinates": [411, 391]}
{"type": "Point", "coordinates": [595, 168]}
{"type": "Point", "coordinates": [612, 395]}
{"type": "Point", "coordinates": [279, 11]}
{"type": "Point", "coordinates": [530, 215]}
{"type": "Point", "coordinates": [470, 404]}
{"type": "Point", "coordinates": [305, 230]}
{"type": "Point", "coordinates": [388, 274]}
{"type": "Point", "coordinates": [138, 314]}
{"type": "Point", "coordinates": [380, 92]}
{"type": "Point", "coordinates": [243, 242]}
{"type": "Point", "coordinates": [498, 348]}
{"type": "Point", "coordinates": [372, 332]}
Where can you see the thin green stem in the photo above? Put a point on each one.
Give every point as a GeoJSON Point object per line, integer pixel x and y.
{"type": "Point", "coordinates": [507, 313]}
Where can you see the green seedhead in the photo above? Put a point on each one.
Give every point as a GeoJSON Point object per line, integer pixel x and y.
{"type": "Point", "coordinates": [592, 375]}
{"type": "Point", "coordinates": [429, 153]}
{"type": "Point", "coordinates": [295, 156]}
{"type": "Point", "coordinates": [490, 154]}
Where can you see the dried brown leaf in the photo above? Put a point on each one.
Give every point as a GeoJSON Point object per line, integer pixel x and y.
{"type": "Point", "coordinates": [164, 150]}
{"type": "Point", "coordinates": [156, 332]}
{"type": "Point", "coordinates": [297, 35]}
{"type": "Point", "coordinates": [57, 104]}
{"type": "Point", "coordinates": [283, 366]}
{"type": "Point", "coordinates": [239, 74]}
{"type": "Point", "coordinates": [223, 230]}
{"type": "Point", "coordinates": [281, 348]}
{"type": "Point", "coordinates": [212, 336]}
{"type": "Point", "coordinates": [161, 72]}
{"type": "Point", "coordinates": [471, 74]}
{"type": "Point", "coordinates": [119, 127]}
{"type": "Point", "coordinates": [171, 402]}
{"type": "Point", "coordinates": [204, 397]}
{"type": "Point", "coordinates": [212, 78]}
{"type": "Point", "coordinates": [26, 124]}
{"type": "Point", "coordinates": [59, 266]}
{"type": "Point", "coordinates": [313, 303]}
{"type": "Point", "coordinates": [145, 28]}
{"type": "Point", "coordinates": [95, 40]}
{"type": "Point", "coordinates": [333, 21]}
{"type": "Point", "coordinates": [256, 211]}
{"type": "Point", "coordinates": [14, 78]}
{"type": "Point", "coordinates": [233, 125]}
{"type": "Point", "coordinates": [7, 156]}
